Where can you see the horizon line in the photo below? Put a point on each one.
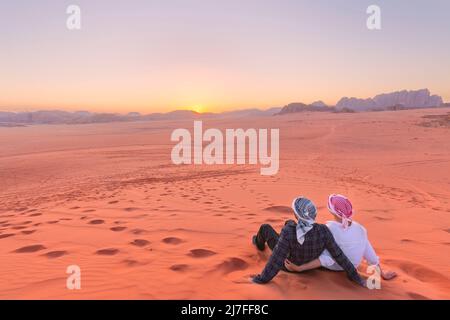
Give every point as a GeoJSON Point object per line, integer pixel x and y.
{"type": "Point", "coordinates": [199, 107]}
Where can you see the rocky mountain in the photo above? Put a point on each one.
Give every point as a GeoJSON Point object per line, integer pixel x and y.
{"type": "Point", "coordinates": [301, 107]}
{"type": "Point", "coordinates": [319, 103]}
{"type": "Point", "coordinates": [394, 101]}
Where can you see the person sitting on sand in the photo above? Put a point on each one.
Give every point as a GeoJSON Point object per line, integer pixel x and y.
{"type": "Point", "coordinates": [351, 238]}
{"type": "Point", "coordinates": [300, 242]}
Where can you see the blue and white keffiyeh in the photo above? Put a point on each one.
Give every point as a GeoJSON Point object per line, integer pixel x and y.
{"type": "Point", "coordinates": [305, 211]}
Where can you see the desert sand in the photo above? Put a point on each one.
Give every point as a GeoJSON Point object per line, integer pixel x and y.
{"type": "Point", "coordinates": [106, 197]}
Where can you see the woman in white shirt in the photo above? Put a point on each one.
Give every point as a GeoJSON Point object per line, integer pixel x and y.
{"type": "Point", "coordinates": [351, 238]}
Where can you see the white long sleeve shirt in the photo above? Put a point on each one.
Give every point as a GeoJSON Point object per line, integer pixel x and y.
{"type": "Point", "coordinates": [354, 243]}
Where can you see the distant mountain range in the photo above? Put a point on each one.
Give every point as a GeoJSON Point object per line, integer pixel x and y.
{"type": "Point", "coordinates": [398, 100]}
{"type": "Point", "coordinates": [395, 100]}
{"type": "Point", "coordinates": [10, 119]}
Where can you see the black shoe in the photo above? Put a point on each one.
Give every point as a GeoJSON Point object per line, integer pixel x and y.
{"type": "Point", "coordinates": [255, 242]}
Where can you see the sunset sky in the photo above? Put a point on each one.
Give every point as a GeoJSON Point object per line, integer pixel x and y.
{"type": "Point", "coordinates": [150, 56]}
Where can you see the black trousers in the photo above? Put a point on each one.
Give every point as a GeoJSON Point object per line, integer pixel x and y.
{"type": "Point", "coordinates": [266, 234]}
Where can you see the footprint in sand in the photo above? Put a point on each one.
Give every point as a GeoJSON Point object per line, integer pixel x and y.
{"type": "Point", "coordinates": [138, 231]}
{"type": "Point", "coordinates": [7, 235]}
{"type": "Point", "coordinates": [28, 231]}
{"type": "Point", "coordinates": [35, 215]}
{"type": "Point", "coordinates": [117, 229]}
{"type": "Point", "coordinates": [130, 262]}
{"type": "Point", "coordinates": [19, 227]}
{"type": "Point", "coordinates": [55, 254]}
{"type": "Point", "coordinates": [382, 218]}
{"type": "Point", "coordinates": [179, 267]}
{"type": "Point", "coordinates": [231, 265]}
{"type": "Point", "coordinates": [30, 249]}
{"type": "Point", "coordinates": [140, 242]}
{"type": "Point", "coordinates": [172, 240]}
{"type": "Point", "coordinates": [107, 252]}
{"type": "Point", "coordinates": [113, 202]}
{"type": "Point", "coordinates": [408, 241]}
{"type": "Point", "coordinates": [97, 221]}
{"type": "Point", "coordinates": [274, 220]}
{"type": "Point", "coordinates": [131, 209]}
{"type": "Point", "coordinates": [201, 253]}
{"type": "Point", "coordinates": [89, 210]}
{"type": "Point", "coordinates": [283, 209]}
{"type": "Point", "coordinates": [74, 208]}
{"type": "Point", "coordinates": [24, 223]}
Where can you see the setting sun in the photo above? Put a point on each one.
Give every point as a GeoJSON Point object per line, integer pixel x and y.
{"type": "Point", "coordinates": [198, 108]}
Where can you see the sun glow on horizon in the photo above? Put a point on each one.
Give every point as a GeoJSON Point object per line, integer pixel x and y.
{"type": "Point", "coordinates": [198, 108]}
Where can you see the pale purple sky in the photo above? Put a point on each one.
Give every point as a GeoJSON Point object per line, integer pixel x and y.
{"type": "Point", "coordinates": [209, 55]}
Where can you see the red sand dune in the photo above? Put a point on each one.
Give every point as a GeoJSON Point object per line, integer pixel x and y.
{"type": "Point", "coordinates": [106, 197]}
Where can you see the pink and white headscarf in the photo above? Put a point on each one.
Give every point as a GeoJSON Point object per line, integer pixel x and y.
{"type": "Point", "coordinates": [340, 206]}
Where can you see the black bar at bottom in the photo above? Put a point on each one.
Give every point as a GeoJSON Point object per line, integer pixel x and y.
{"type": "Point", "coordinates": [219, 309]}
